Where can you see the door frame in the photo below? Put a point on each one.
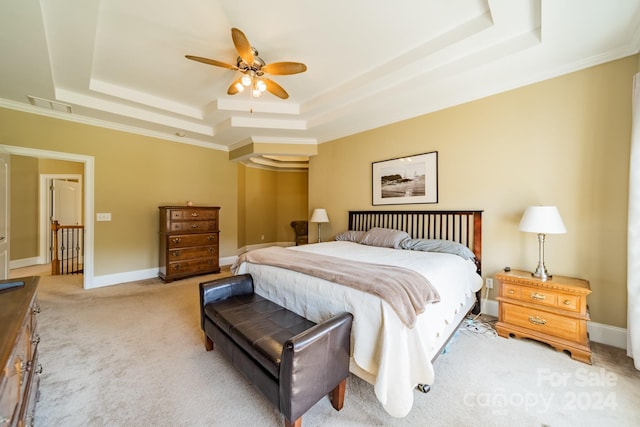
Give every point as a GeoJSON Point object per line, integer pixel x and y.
{"type": "Point", "coordinates": [44, 203]}
{"type": "Point", "coordinates": [88, 194]}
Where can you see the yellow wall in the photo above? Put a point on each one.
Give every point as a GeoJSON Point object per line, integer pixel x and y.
{"type": "Point", "coordinates": [133, 176]}
{"type": "Point", "coordinates": [562, 142]}
{"type": "Point", "coordinates": [272, 199]}
{"type": "Point", "coordinates": [24, 207]}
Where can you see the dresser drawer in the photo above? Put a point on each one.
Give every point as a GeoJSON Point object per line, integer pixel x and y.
{"type": "Point", "coordinates": [193, 214]}
{"type": "Point", "coordinates": [186, 240]}
{"type": "Point", "coordinates": [180, 254]}
{"type": "Point", "coordinates": [193, 266]}
{"type": "Point", "coordinates": [541, 321]}
{"type": "Point", "coordinates": [194, 226]}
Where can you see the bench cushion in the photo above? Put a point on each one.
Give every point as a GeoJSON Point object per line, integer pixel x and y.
{"type": "Point", "coordinates": [258, 326]}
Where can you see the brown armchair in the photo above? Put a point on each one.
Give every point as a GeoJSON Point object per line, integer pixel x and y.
{"type": "Point", "coordinates": [301, 228]}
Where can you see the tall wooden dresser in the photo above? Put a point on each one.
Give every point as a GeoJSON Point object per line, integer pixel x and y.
{"type": "Point", "coordinates": [188, 241]}
{"type": "Point", "coordinates": [20, 376]}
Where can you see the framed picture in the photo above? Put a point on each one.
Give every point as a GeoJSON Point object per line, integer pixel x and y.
{"type": "Point", "coordinates": [412, 179]}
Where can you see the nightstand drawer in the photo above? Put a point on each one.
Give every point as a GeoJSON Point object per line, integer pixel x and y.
{"type": "Point", "coordinates": [539, 296]}
{"type": "Point", "coordinates": [512, 291]}
{"type": "Point", "coordinates": [569, 302]}
{"type": "Point", "coordinates": [541, 321]}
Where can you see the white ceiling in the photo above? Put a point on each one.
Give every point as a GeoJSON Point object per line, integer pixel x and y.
{"type": "Point", "coordinates": [121, 64]}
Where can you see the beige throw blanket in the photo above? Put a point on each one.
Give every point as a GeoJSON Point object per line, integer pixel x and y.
{"type": "Point", "coordinates": [406, 291]}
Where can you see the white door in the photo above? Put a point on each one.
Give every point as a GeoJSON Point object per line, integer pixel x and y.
{"type": "Point", "coordinates": [66, 208]}
{"type": "Point", "coordinates": [4, 215]}
{"type": "Point", "coordinates": [67, 202]}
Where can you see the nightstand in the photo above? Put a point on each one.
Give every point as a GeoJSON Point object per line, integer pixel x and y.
{"type": "Point", "coordinates": [553, 311]}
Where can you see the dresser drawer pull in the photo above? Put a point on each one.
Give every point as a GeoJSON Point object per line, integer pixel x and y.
{"type": "Point", "coordinates": [536, 320]}
{"type": "Point", "coordinates": [210, 238]}
{"type": "Point", "coordinates": [538, 296]}
{"type": "Point", "coordinates": [566, 302]}
{"type": "Point", "coordinates": [35, 340]}
{"type": "Point", "coordinates": [194, 225]}
{"type": "Point", "coordinates": [210, 250]}
{"type": "Point", "coordinates": [176, 253]}
{"type": "Point", "coordinates": [176, 240]}
{"type": "Point", "coordinates": [511, 291]}
{"type": "Point", "coordinates": [194, 214]}
{"type": "Point", "coordinates": [177, 267]}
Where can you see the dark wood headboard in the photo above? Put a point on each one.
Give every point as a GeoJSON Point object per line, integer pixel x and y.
{"type": "Point", "coordinates": [464, 227]}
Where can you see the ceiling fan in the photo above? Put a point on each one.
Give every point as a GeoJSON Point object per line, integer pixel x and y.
{"type": "Point", "coordinates": [253, 69]}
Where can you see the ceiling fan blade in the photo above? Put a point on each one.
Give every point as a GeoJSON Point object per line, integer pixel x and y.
{"type": "Point", "coordinates": [276, 89]}
{"type": "Point", "coordinates": [233, 89]}
{"type": "Point", "coordinates": [242, 45]}
{"type": "Point", "coordinates": [211, 62]}
{"type": "Point", "coordinates": [282, 68]}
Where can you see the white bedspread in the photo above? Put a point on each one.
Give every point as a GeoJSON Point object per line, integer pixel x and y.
{"type": "Point", "coordinates": [394, 357]}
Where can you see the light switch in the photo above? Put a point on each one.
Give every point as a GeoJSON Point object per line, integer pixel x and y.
{"type": "Point", "coordinates": [103, 216]}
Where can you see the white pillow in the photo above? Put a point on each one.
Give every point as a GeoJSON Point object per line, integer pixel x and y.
{"type": "Point", "coordinates": [351, 236]}
{"type": "Point", "coordinates": [384, 237]}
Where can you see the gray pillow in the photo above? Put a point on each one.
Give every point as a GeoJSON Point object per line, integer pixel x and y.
{"type": "Point", "coordinates": [384, 237]}
{"type": "Point", "coordinates": [351, 236]}
{"type": "Point", "coordinates": [437, 245]}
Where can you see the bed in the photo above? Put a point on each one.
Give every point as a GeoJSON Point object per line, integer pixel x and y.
{"type": "Point", "coordinates": [391, 350]}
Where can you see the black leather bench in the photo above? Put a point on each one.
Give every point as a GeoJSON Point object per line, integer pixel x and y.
{"type": "Point", "coordinates": [293, 361]}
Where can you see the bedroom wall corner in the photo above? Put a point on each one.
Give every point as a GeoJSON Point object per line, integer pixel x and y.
{"type": "Point", "coordinates": [563, 141]}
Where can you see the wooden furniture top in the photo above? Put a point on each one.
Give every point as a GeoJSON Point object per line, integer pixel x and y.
{"type": "Point", "coordinates": [569, 284]}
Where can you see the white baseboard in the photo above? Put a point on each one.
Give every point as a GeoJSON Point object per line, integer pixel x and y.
{"type": "Point", "coordinates": [128, 276]}
{"type": "Point", "coordinates": [25, 262]}
{"type": "Point", "coordinates": [598, 332]}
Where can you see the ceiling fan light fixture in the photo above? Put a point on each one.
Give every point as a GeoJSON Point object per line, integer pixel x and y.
{"type": "Point", "coordinates": [239, 86]}
{"type": "Point", "coordinates": [261, 85]}
{"type": "Point", "coordinates": [246, 80]}
{"type": "Point", "coordinates": [256, 93]}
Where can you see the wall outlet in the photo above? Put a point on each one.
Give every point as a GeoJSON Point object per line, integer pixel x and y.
{"type": "Point", "coordinates": [103, 216]}
{"type": "Point", "coordinates": [489, 283]}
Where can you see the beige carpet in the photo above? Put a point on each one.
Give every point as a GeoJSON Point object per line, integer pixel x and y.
{"type": "Point", "coordinates": [133, 354]}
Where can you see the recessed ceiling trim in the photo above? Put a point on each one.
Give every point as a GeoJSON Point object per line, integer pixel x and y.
{"type": "Point", "coordinates": [263, 123]}
{"type": "Point", "coordinates": [251, 105]}
{"type": "Point", "coordinates": [144, 99]}
{"type": "Point", "coordinates": [134, 112]}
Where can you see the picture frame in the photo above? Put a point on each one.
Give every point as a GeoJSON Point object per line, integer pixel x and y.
{"type": "Point", "coordinates": [406, 180]}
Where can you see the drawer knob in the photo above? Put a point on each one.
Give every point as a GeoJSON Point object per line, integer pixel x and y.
{"type": "Point", "coordinates": [194, 214]}
{"type": "Point", "coordinates": [537, 320]}
{"type": "Point", "coordinates": [176, 240]}
{"type": "Point", "coordinates": [566, 302]}
{"type": "Point", "coordinates": [210, 250]}
{"type": "Point", "coordinates": [511, 291]}
{"type": "Point", "coordinates": [210, 237]}
{"type": "Point", "coordinates": [538, 296]}
{"type": "Point", "coordinates": [194, 225]}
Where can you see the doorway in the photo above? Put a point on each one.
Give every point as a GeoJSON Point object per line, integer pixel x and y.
{"type": "Point", "coordinates": [88, 195]}
{"type": "Point", "coordinates": [61, 200]}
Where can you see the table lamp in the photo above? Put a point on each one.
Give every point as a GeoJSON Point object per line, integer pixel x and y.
{"type": "Point", "coordinates": [542, 220]}
{"type": "Point", "coordinates": [319, 216]}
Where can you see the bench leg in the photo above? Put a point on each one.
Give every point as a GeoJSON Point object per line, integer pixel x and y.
{"type": "Point", "coordinates": [337, 395]}
{"type": "Point", "coordinates": [208, 343]}
{"type": "Point", "coordinates": [296, 423]}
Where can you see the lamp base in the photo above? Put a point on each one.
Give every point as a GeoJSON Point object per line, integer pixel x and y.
{"type": "Point", "coordinates": [541, 273]}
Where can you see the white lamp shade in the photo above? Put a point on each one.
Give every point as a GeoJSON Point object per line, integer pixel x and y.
{"type": "Point", "coordinates": [319, 215]}
{"type": "Point", "coordinates": [542, 220]}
